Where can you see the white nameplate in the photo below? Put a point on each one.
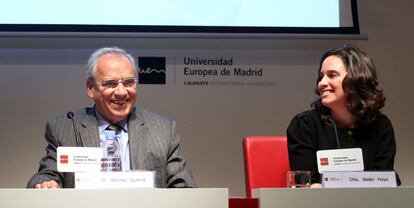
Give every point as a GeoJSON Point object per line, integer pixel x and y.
{"type": "Point", "coordinates": [79, 159]}
{"type": "Point", "coordinates": [132, 179]}
{"type": "Point", "coordinates": [340, 160]}
{"type": "Point", "coordinates": [359, 179]}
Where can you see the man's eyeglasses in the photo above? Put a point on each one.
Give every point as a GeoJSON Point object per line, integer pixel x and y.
{"type": "Point", "coordinates": [128, 82]}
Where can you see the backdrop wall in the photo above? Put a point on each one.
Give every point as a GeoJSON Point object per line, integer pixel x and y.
{"type": "Point", "coordinates": [44, 77]}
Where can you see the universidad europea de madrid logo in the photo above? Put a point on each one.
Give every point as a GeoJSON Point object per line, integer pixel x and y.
{"type": "Point", "coordinates": [151, 70]}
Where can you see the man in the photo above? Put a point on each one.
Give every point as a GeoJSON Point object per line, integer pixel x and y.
{"type": "Point", "coordinates": [148, 141]}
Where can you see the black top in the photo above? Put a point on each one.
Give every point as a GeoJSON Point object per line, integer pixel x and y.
{"type": "Point", "coordinates": [308, 133]}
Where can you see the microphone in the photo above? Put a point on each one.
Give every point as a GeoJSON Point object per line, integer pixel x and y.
{"type": "Point", "coordinates": [78, 138]}
{"type": "Point", "coordinates": [328, 119]}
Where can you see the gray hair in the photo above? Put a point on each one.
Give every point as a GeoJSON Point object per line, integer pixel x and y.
{"type": "Point", "coordinates": [91, 67]}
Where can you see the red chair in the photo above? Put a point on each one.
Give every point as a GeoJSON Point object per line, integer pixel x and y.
{"type": "Point", "coordinates": [266, 162]}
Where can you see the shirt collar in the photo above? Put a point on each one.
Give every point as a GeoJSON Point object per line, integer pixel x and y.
{"type": "Point", "coordinates": [103, 123]}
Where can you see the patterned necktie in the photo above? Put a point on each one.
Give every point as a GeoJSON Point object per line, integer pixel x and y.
{"type": "Point", "coordinates": [115, 127]}
{"type": "Point", "coordinates": [113, 149]}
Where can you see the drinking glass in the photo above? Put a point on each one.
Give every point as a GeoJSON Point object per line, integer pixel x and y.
{"type": "Point", "coordinates": [298, 179]}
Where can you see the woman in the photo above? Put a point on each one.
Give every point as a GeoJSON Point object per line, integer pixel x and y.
{"type": "Point", "coordinates": [346, 115]}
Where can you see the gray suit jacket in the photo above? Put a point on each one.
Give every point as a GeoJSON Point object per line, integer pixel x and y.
{"type": "Point", "coordinates": [153, 141]}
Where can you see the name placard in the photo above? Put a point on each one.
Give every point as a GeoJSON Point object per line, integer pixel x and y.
{"type": "Point", "coordinates": [340, 160]}
{"type": "Point", "coordinates": [359, 179]}
{"type": "Point", "coordinates": [132, 179]}
{"type": "Point", "coordinates": [79, 159]}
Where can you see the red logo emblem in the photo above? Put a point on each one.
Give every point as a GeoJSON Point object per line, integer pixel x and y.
{"type": "Point", "coordinates": [64, 159]}
{"type": "Point", "coordinates": [324, 161]}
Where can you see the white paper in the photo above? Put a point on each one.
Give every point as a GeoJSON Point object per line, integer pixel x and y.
{"type": "Point", "coordinates": [132, 179]}
{"type": "Point", "coordinates": [359, 179]}
{"type": "Point", "coordinates": [79, 159]}
{"type": "Point", "coordinates": [340, 160]}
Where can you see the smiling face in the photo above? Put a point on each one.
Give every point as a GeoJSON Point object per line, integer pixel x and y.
{"type": "Point", "coordinates": [116, 102]}
{"type": "Point", "coordinates": [332, 74]}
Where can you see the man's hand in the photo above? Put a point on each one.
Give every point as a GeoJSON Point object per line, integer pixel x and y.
{"type": "Point", "coordinates": [47, 185]}
{"type": "Point", "coordinates": [316, 185]}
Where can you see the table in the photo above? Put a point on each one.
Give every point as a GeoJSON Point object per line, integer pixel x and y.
{"type": "Point", "coordinates": [110, 198]}
{"type": "Point", "coordinates": [401, 197]}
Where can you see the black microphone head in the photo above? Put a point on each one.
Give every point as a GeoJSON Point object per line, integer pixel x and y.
{"type": "Point", "coordinates": [327, 120]}
{"type": "Point", "coordinates": [323, 117]}
{"type": "Point", "coordinates": [70, 115]}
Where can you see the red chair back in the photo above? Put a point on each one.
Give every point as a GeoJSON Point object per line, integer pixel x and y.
{"type": "Point", "coordinates": [266, 162]}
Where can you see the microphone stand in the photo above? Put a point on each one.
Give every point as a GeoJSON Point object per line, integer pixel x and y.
{"type": "Point", "coordinates": [78, 139]}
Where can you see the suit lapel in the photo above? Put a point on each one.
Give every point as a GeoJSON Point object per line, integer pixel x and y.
{"type": "Point", "coordinates": [89, 129]}
{"type": "Point", "coordinates": [137, 132]}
